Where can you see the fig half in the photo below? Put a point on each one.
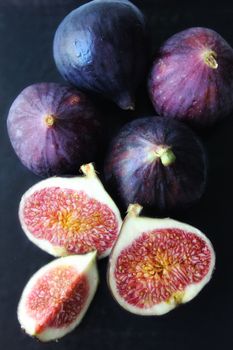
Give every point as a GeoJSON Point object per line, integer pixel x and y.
{"type": "Point", "coordinates": [157, 264]}
{"type": "Point", "coordinates": [57, 296]}
{"type": "Point", "coordinates": [70, 215]}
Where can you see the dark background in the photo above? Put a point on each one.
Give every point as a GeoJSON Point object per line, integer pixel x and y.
{"type": "Point", "coordinates": [26, 33]}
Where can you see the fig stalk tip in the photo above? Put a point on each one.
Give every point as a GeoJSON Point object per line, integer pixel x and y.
{"type": "Point", "coordinates": [49, 120]}
{"type": "Point", "coordinates": [210, 57]}
{"type": "Point", "coordinates": [168, 157]}
{"type": "Point", "coordinates": [126, 102]}
{"type": "Point", "coordinates": [134, 209]}
{"type": "Point", "coordinates": [88, 170]}
{"type": "Point", "coordinates": [164, 153]}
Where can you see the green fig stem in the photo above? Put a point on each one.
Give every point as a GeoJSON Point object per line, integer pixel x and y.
{"type": "Point", "coordinates": [168, 157]}
{"type": "Point", "coordinates": [165, 154]}
{"type": "Point", "coordinates": [210, 57]}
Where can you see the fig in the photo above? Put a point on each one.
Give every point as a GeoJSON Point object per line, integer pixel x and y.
{"type": "Point", "coordinates": [70, 215]}
{"type": "Point", "coordinates": [57, 296]}
{"type": "Point", "coordinates": [157, 162]}
{"type": "Point", "coordinates": [192, 77]}
{"type": "Point", "coordinates": [100, 47]}
{"type": "Point", "coordinates": [54, 129]}
{"type": "Point", "coordinates": [157, 264]}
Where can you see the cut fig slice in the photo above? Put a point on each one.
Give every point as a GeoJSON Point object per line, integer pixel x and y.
{"type": "Point", "coordinates": [157, 264]}
{"type": "Point", "coordinates": [73, 215]}
{"type": "Point", "coordinates": [57, 296]}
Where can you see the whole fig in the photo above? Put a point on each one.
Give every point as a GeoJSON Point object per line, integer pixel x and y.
{"type": "Point", "coordinates": [192, 77]}
{"type": "Point", "coordinates": [100, 47]}
{"type": "Point", "coordinates": [54, 129]}
{"type": "Point", "coordinates": [158, 163]}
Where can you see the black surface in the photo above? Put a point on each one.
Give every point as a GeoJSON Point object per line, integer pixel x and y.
{"type": "Point", "coordinates": [26, 33]}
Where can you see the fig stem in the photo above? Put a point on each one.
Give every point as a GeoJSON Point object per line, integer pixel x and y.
{"type": "Point", "coordinates": [129, 108]}
{"type": "Point", "coordinates": [88, 170]}
{"type": "Point", "coordinates": [49, 120]}
{"type": "Point", "coordinates": [134, 209]}
{"type": "Point", "coordinates": [126, 102]}
{"type": "Point", "coordinates": [210, 59]}
{"type": "Point", "coordinates": [166, 155]}
{"type": "Point", "coordinates": [178, 297]}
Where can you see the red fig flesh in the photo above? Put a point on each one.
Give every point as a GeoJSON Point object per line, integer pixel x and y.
{"type": "Point", "coordinates": [158, 263]}
{"type": "Point", "coordinates": [70, 215]}
{"type": "Point", "coordinates": [57, 296]}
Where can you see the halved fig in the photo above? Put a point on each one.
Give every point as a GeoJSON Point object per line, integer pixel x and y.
{"type": "Point", "coordinates": [70, 215]}
{"type": "Point", "coordinates": [157, 264]}
{"type": "Point", "coordinates": [57, 296]}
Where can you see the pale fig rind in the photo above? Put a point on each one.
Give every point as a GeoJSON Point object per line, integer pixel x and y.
{"type": "Point", "coordinates": [84, 265]}
{"type": "Point", "coordinates": [132, 229]}
{"type": "Point", "coordinates": [90, 187]}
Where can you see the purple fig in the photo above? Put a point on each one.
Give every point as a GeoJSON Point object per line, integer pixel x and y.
{"type": "Point", "coordinates": [100, 47]}
{"type": "Point", "coordinates": [192, 77]}
{"type": "Point", "coordinates": [157, 162]}
{"type": "Point", "coordinates": [53, 129]}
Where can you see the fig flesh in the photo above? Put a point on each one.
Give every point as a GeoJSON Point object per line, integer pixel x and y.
{"type": "Point", "coordinates": [54, 129]}
{"type": "Point", "coordinates": [100, 47]}
{"type": "Point", "coordinates": [192, 77]}
{"type": "Point", "coordinates": [157, 264]}
{"type": "Point", "coordinates": [57, 296]}
{"type": "Point", "coordinates": [73, 215]}
{"type": "Point", "coordinates": [158, 163]}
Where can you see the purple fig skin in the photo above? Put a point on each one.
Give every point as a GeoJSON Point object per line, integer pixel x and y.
{"type": "Point", "coordinates": [101, 47]}
{"type": "Point", "coordinates": [140, 173]}
{"type": "Point", "coordinates": [192, 77]}
{"type": "Point", "coordinates": [54, 129]}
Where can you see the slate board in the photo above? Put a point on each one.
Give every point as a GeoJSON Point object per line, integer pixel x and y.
{"type": "Point", "coordinates": [26, 33]}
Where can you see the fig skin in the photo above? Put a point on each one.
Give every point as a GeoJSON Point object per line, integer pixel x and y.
{"type": "Point", "coordinates": [54, 129]}
{"type": "Point", "coordinates": [192, 77]}
{"type": "Point", "coordinates": [156, 162]}
{"type": "Point", "coordinates": [106, 57]}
